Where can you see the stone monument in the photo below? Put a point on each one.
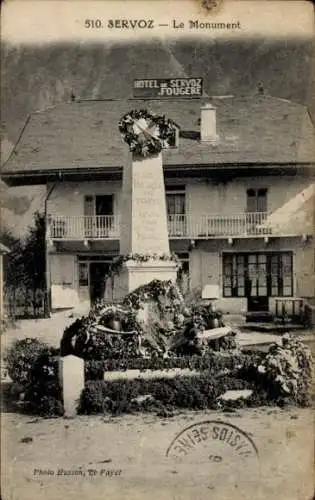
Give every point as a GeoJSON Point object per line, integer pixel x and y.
{"type": "Point", "coordinates": [143, 229]}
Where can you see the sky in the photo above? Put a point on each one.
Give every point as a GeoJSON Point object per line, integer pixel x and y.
{"type": "Point", "coordinates": [48, 21]}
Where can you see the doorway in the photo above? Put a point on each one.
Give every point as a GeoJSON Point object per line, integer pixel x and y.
{"type": "Point", "coordinates": [98, 212]}
{"type": "Point", "coordinates": [97, 282]}
{"type": "Point", "coordinates": [256, 283]}
{"type": "Point", "coordinates": [176, 210]}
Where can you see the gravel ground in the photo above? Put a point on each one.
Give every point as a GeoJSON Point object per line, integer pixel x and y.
{"type": "Point", "coordinates": [50, 330]}
{"type": "Point", "coordinates": [125, 458]}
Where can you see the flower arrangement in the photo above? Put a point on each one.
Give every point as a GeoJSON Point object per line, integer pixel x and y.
{"type": "Point", "coordinates": [157, 291]}
{"type": "Point", "coordinates": [288, 369]}
{"type": "Point", "coordinates": [140, 258]}
{"type": "Point", "coordinates": [146, 133]}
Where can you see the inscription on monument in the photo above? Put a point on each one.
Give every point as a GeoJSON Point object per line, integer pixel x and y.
{"type": "Point", "coordinates": [149, 209]}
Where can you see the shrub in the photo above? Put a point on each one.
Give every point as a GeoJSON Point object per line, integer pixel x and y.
{"type": "Point", "coordinates": [27, 356]}
{"type": "Point", "coordinates": [285, 372]}
{"type": "Point", "coordinates": [215, 363]}
{"type": "Point", "coordinates": [33, 367]}
{"type": "Point", "coordinates": [43, 398]}
{"type": "Point", "coordinates": [127, 396]}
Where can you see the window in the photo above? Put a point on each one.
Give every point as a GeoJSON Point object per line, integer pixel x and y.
{"type": "Point", "coordinates": [175, 200]}
{"type": "Point", "coordinates": [258, 274]}
{"type": "Point", "coordinates": [257, 200]}
{"type": "Point", "coordinates": [233, 275]}
{"type": "Point", "coordinates": [281, 274]}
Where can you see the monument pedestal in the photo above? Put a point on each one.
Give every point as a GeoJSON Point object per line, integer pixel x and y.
{"type": "Point", "coordinates": [134, 274]}
{"type": "Point", "coordinates": [144, 229]}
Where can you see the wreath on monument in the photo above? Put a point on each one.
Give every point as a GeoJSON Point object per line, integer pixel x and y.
{"type": "Point", "coordinates": [146, 133]}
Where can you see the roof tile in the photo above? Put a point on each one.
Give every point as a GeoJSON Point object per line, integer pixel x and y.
{"type": "Point", "coordinates": [84, 134]}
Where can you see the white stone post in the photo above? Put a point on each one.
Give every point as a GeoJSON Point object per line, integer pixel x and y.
{"type": "Point", "coordinates": [71, 378]}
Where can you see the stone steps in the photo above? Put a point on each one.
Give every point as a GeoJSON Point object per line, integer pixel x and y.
{"type": "Point", "coordinates": [268, 327]}
{"type": "Point", "coordinates": [259, 317]}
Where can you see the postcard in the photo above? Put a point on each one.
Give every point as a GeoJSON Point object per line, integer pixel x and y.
{"type": "Point", "coordinates": [157, 258]}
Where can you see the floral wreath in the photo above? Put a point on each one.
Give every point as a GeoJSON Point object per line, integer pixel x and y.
{"type": "Point", "coordinates": [146, 133]}
{"type": "Point", "coordinates": [118, 261]}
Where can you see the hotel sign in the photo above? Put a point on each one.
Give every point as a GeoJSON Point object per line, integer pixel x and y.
{"type": "Point", "coordinates": [168, 87]}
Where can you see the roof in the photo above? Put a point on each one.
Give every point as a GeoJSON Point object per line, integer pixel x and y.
{"type": "Point", "coordinates": [84, 135]}
{"type": "Point", "coordinates": [3, 249]}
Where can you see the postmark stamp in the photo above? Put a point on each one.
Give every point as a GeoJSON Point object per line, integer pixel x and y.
{"type": "Point", "coordinates": [227, 454]}
{"type": "Point", "coordinates": [212, 432]}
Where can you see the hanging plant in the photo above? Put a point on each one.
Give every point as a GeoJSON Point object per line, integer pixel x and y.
{"type": "Point", "coordinates": [146, 133]}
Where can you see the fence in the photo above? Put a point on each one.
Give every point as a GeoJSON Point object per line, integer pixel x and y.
{"type": "Point", "coordinates": [23, 302]}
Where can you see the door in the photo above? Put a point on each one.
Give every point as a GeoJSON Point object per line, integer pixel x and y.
{"type": "Point", "coordinates": [98, 211]}
{"type": "Point", "coordinates": [97, 282]}
{"type": "Point", "coordinates": [104, 209]}
{"type": "Point", "coordinates": [256, 210]}
{"type": "Point", "coordinates": [89, 212]}
{"type": "Point", "coordinates": [256, 283]}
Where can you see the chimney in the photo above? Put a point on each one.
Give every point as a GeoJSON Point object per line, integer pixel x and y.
{"type": "Point", "coordinates": [208, 128]}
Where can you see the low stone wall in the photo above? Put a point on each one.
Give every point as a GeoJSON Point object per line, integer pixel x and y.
{"type": "Point", "coordinates": [148, 374]}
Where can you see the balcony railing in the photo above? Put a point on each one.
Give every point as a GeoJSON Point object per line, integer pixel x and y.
{"type": "Point", "coordinates": [215, 226]}
{"type": "Point", "coordinates": [100, 227]}
{"type": "Point", "coordinates": [95, 227]}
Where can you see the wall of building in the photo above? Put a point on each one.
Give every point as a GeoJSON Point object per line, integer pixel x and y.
{"type": "Point", "coordinates": [67, 198]}
{"type": "Point", "coordinates": [206, 266]}
{"type": "Point", "coordinates": [205, 263]}
{"type": "Point", "coordinates": [217, 198]}
{"type": "Point", "coordinates": [305, 270]}
{"type": "Point", "coordinates": [202, 197]}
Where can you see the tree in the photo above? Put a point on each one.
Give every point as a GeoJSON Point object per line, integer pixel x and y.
{"type": "Point", "coordinates": [35, 261]}
{"type": "Point", "coordinates": [13, 269]}
{"type": "Point", "coordinates": [34, 253]}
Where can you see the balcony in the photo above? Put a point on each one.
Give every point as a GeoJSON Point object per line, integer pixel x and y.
{"type": "Point", "coordinates": [245, 225]}
{"type": "Point", "coordinates": [218, 226]}
{"type": "Point", "coordinates": [76, 228]}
